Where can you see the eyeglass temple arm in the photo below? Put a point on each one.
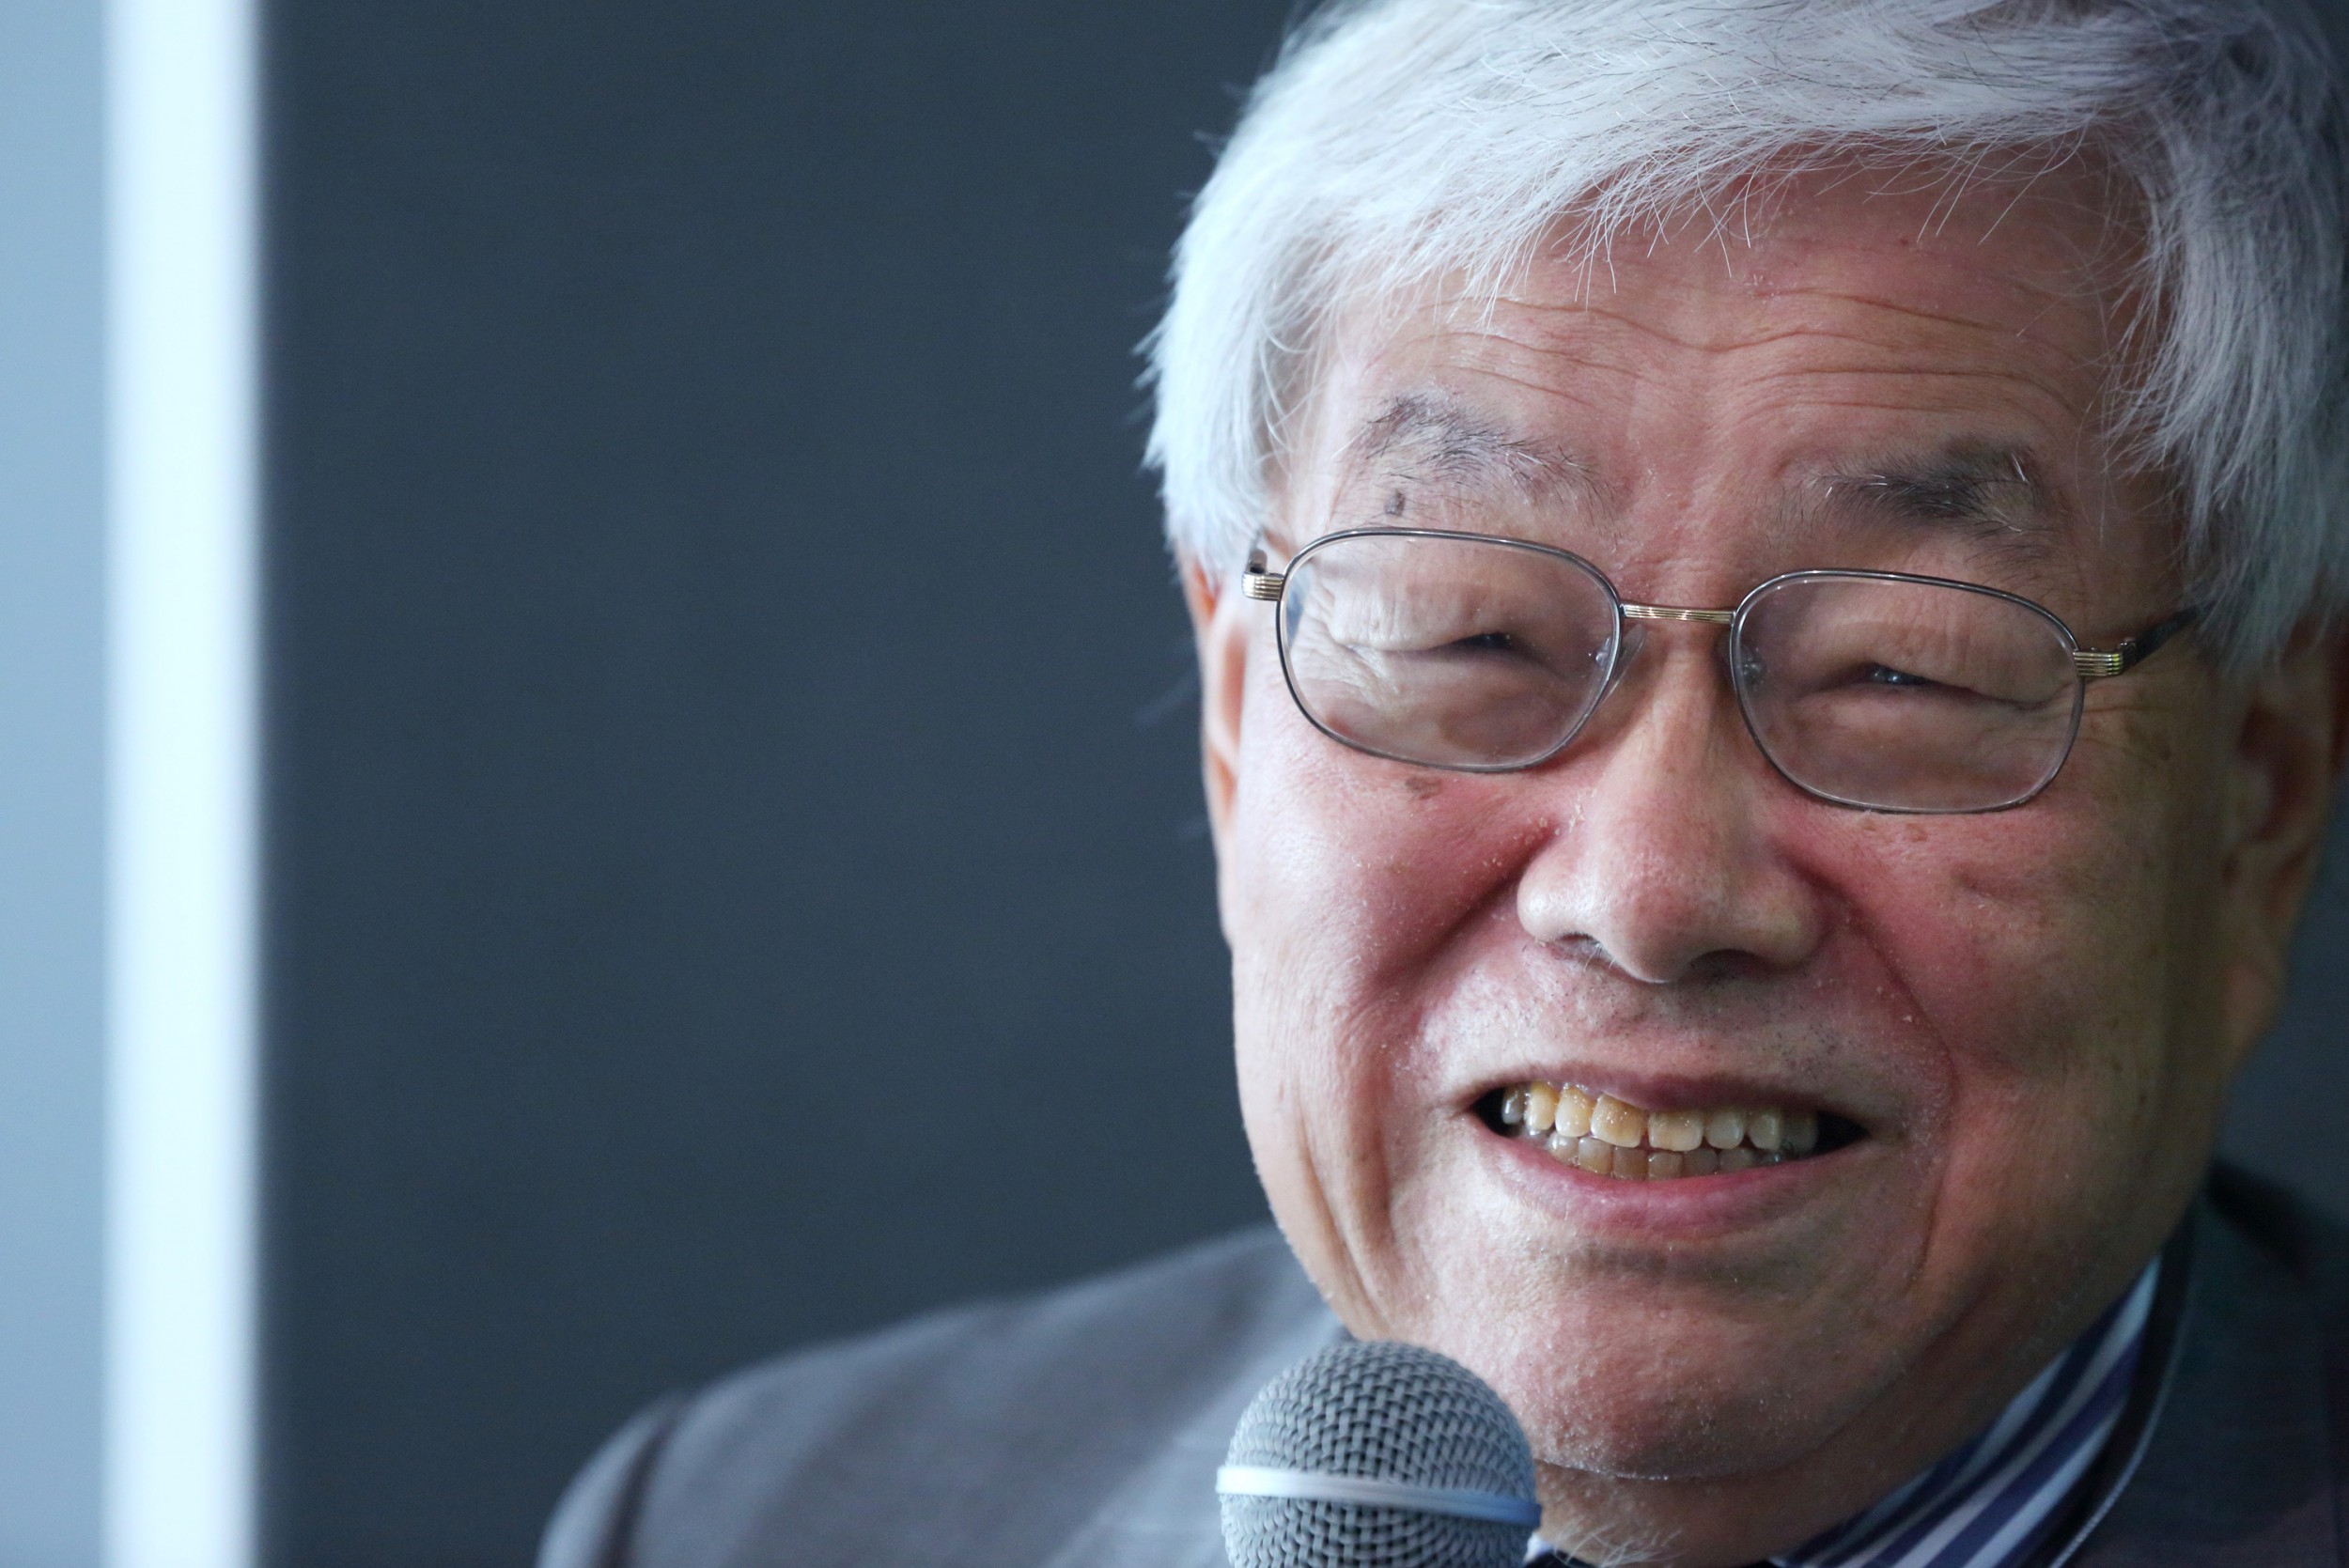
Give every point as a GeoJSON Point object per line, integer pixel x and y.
{"type": "Point", "coordinates": [2098, 665]}
{"type": "Point", "coordinates": [1257, 582]}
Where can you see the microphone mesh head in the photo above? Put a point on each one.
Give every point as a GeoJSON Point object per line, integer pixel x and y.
{"type": "Point", "coordinates": [1394, 1412]}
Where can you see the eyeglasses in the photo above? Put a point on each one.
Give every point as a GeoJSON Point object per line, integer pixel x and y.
{"type": "Point", "coordinates": [1878, 690]}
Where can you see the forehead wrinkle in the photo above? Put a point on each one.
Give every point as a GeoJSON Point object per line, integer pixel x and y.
{"type": "Point", "coordinates": [2041, 366]}
{"type": "Point", "coordinates": [2047, 299]}
{"type": "Point", "coordinates": [2046, 381]}
{"type": "Point", "coordinates": [2040, 395]}
{"type": "Point", "coordinates": [1950, 409]}
{"type": "Point", "coordinates": [1735, 336]}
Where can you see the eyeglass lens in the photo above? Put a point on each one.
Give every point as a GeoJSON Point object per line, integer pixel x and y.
{"type": "Point", "coordinates": [1459, 653]}
{"type": "Point", "coordinates": [1489, 655]}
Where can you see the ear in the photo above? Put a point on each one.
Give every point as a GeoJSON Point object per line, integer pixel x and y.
{"type": "Point", "coordinates": [2288, 759]}
{"type": "Point", "coordinates": [1221, 633]}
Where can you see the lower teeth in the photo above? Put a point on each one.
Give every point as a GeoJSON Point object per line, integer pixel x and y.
{"type": "Point", "coordinates": [1602, 1158]}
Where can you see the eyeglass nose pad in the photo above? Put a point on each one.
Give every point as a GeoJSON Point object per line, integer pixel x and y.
{"type": "Point", "coordinates": [1628, 645]}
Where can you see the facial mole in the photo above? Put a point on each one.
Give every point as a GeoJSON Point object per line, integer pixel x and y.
{"type": "Point", "coordinates": [1396, 504]}
{"type": "Point", "coordinates": [1422, 787]}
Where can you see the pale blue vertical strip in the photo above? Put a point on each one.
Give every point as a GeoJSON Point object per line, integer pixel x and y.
{"type": "Point", "coordinates": [182, 763]}
{"type": "Point", "coordinates": [51, 728]}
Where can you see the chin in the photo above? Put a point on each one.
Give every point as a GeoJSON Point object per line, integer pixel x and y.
{"type": "Point", "coordinates": [1697, 1328]}
{"type": "Point", "coordinates": [1667, 1440]}
{"type": "Point", "coordinates": [1650, 1379]}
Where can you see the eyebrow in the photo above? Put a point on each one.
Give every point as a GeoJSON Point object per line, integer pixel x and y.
{"type": "Point", "coordinates": [1428, 441]}
{"type": "Point", "coordinates": [1978, 488]}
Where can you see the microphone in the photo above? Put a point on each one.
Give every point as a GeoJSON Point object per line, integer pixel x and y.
{"type": "Point", "coordinates": [1373, 1455]}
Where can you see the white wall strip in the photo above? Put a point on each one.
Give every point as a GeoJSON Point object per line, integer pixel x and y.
{"type": "Point", "coordinates": [181, 881]}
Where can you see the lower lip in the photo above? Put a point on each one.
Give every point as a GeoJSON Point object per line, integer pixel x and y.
{"type": "Point", "coordinates": [1686, 1206]}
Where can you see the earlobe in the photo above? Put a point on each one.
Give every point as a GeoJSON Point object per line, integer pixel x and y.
{"type": "Point", "coordinates": [1222, 635]}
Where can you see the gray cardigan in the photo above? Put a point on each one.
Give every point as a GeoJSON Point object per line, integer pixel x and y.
{"type": "Point", "coordinates": [1083, 1427]}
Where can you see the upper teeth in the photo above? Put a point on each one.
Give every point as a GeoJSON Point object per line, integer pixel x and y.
{"type": "Point", "coordinates": [1609, 1137]}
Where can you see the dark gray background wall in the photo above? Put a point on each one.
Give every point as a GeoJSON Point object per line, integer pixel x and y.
{"type": "Point", "coordinates": [734, 871]}
{"type": "Point", "coordinates": [735, 867]}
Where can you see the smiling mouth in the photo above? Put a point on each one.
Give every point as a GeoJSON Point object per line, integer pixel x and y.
{"type": "Point", "coordinates": [1607, 1137]}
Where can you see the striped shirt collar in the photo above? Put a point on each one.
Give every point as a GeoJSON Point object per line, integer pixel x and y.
{"type": "Point", "coordinates": [1991, 1501]}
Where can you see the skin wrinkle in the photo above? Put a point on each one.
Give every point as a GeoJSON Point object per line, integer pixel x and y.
{"type": "Point", "coordinates": [2030, 1015]}
{"type": "Point", "coordinates": [2098, 261]}
{"type": "Point", "coordinates": [1581, 317]}
{"type": "Point", "coordinates": [2062, 406]}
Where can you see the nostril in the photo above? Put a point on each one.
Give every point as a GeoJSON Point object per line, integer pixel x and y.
{"type": "Point", "coordinates": [1727, 964]}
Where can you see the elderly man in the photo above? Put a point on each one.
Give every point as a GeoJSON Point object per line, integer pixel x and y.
{"type": "Point", "coordinates": [1766, 577]}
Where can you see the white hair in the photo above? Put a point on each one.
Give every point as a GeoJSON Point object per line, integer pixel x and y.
{"type": "Point", "coordinates": [1398, 141]}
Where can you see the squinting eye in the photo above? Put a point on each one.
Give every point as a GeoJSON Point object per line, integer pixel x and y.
{"type": "Point", "coordinates": [1879, 675]}
{"type": "Point", "coordinates": [1497, 642]}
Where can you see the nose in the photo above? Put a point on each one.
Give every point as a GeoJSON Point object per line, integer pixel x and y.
{"type": "Point", "coordinates": [1662, 860]}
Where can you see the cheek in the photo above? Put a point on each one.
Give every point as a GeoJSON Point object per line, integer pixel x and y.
{"type": "Point", "coordinates": [1991, 941]}
{"type": "Point", "coordinates": [1344, 879]}
{"type": "Point", "coordinates": [2048, 952]}
{"type": "Point", "coordinates": [1355, 868]}
{"type": "Point", "coordinates": [2063, 922]}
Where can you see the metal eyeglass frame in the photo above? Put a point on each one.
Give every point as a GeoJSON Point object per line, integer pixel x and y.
{"type": "Point", "coordinates": [1258, 582]}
